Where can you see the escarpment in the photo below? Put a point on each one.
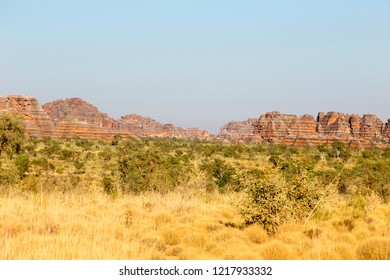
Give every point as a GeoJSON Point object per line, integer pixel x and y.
{"type": "Point", "coordinates": [353, 130]}
{"type": "Point", "coordinates": [36, 121]}
{"type": "Point", "coordinates": [235, 130]}
{"type": "Point", "coordinates": [76, 118]}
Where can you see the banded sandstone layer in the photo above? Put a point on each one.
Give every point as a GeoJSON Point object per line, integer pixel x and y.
{"type": "Point", "coordinates": [356, 131]}
{"type": "Point", "coordinates": [75, 118]}
{"type": "Point", "coordinates": [35, 120]}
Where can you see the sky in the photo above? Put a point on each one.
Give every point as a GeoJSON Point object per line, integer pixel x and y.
{"type": "Point", "coordinates": [200, 63]}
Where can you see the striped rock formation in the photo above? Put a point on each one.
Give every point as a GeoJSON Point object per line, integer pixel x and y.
{"type": "Point", "coordinates": [353, 130]}
{"type": "Point", "coordinates": [35, 120]}
{"type": "Point", "coordinates": [73, 117]}
{"type": "Point", "coordinates": [235, 130]}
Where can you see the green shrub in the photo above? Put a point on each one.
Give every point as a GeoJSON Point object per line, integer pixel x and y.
{"type": "Point", "coordinates": [52, 148]}
{"type": "Point", "coordinates": [22, 164]}
{"type": "Point", "coordinates": [143, 167]}
{"type": "Point", "coordinates": [108, 185]}
{"type": "Point", "coordinates": [271, 200]}
{"type": "Point", "coordinates": [80, 167]}
{"type": "Point", "coordinates": [68, 155]}
{"type": "Point", "coordinates": [11, 134]}
{"type": "Point", "coordinates": [222, 174]}
{"type": "Point", "coordinates": [42, 163]}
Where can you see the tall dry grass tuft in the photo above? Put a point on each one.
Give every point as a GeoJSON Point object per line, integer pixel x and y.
{"type": "Point", "coordinates": [277, 250]}
{"type": "Point", "coordinates": [374, 249]}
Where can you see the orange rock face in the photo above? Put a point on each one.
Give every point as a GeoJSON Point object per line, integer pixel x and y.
{"type": "Point", "coordinates": [276, 125]}
{"type": "Point", "coordinates": [356, 131]}
{"type": "Point", "coordinates": [371, 127]}
{"type": "Point", "coordinates": [36, 121]}
{"type": "Point", "coordinates": [235, 131]}
{"type": "Point", "coordinates": [74, 117]}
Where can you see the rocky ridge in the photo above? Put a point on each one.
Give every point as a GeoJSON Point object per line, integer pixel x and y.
{"type": "Point", "coordinates": [76, 118]}
{"type": "Point", "coordinates": [35, 120]}
{"type": "Point", "coordinates": [354, 130]}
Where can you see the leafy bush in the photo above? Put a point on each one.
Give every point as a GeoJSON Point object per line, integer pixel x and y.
{"type": "Point", "coordinates": [43, 163]}
{"type": "Point", "coordinates": [108, 185]}
{"type": "Point", "coordinates": [68, 155]}
{"type": "Point", "coordinates": [52, 148]}
{"type": "Point", "coordinates": [11, 134]}
{"type": "Point", "coordinates": [80, 167]}
{"type": "Point", "coordinates": [144, 167]}
{"type": "Point", "coordinates": [271, 201]}
{"type": "Point", "coordinates": [22, 164]}
{"type": "Point", "coordinates": [222, 174]}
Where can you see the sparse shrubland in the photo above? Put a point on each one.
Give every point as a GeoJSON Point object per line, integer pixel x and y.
{"type": "Point", "coordinates": [176, 199]}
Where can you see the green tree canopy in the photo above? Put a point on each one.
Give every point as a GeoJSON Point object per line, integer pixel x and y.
{"type": "Point", "coordinates": [11, 134]}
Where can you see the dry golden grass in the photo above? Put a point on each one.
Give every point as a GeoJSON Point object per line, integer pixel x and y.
{"type": "Point", "coordinates": [180, 225]}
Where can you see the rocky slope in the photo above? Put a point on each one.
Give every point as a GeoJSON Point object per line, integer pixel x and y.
{"type": "Point", "coordinates": [36, 121]}
{"type": "Point", "coordinates": [74, 117]}
{"type": "Point", "coordinates": [304, 130]}
{"type": "Point", "coordinates": [236, 131]}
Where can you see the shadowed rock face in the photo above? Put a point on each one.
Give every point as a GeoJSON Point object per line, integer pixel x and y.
{"type": "Point", "coordinates": [237, 130]}
{"type": "Point", "coordinates": [304, 130]}
{"type": "Point", "coordinates": [386, 130]}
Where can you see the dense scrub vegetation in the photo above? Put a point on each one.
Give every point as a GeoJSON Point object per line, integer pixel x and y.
{"type": "Point", "coordinates": [275, 185]}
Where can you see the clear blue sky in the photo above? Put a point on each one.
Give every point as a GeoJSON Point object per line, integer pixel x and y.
{"type": "Point", "coordinates": [200, 63]}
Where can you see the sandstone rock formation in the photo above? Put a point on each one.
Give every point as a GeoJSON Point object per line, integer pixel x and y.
{"type": "Point", "coordinates": [74, 117]}
{"type": "Point", "coordinates": [145, 126]}
{"type": "Point", "coordinates": [36, 121]}
{"type": "Point", "coordinates": [356, 131]}
{"type": "Point", "coordinates": [76, 109]}
{"type": "Point", "coordinates": [235, 130]}
{"type": "Point", "coordinates": [386, 130]}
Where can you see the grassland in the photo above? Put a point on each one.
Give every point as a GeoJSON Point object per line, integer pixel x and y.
{"type": "Point", "coordinates": [177, 226]}
{"type": "Point", "coordinates": [171, 199]}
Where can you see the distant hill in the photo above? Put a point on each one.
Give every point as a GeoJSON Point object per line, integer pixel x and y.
{"type": "Point", "coordinates": [74, 117]}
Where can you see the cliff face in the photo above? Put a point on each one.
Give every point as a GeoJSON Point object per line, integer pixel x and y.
{"type": "Point", "coordinates": [35, 120]}
{"type": "Point", "coordinates": [75, 117]}
{"type": "Point", "coordinates": [277, 125]}
{"type": "Point", "coordinates": [386, 130]}
{"type": "Point", "coordinates": [235, 131]}
{"type": "Point", "coordinates": [304, 130]}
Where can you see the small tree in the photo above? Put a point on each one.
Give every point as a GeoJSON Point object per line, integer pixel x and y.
{"type": "Point", "coordinates": [272, 201]}
{"type": "Point", "coordinates": [22, 164]}
{"type": "Point", "coordinates": [11, 134]}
